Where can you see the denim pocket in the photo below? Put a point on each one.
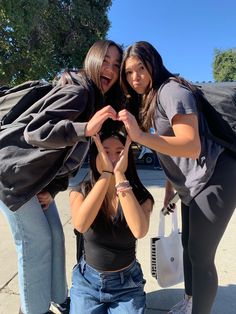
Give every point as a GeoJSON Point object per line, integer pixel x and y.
{"type": "Point", "coordinates": [136, 277]}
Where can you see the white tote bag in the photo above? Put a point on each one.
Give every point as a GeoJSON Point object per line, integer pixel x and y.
{"type": "Point", "coordinates": [167, 254]}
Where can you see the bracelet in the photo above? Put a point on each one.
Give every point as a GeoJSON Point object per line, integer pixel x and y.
{"type": "Point", "coordinates": [123, 184]}
{"type": "Point", "coordinates": [121, 190]}
{"type": "Point", "coordinates": [107, 171]}
{"type": "Point", "coordinates": [123, 187]}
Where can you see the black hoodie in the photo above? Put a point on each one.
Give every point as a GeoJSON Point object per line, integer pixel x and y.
{"type": "Point", "coordinates": [36, 150]}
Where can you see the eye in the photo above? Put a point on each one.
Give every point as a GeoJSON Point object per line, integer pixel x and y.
{"type": "Point", "coordinates": [142, 68]}
{"type": "Point", "coordinates": [117, 65]}
{"type": "Point", "coordinates": [128, 72]}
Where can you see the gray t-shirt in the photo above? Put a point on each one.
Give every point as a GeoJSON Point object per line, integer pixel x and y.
{"type": "Point", "coordinates": [187, 175]}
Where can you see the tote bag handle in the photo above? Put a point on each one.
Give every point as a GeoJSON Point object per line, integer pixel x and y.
{"type": "Point", "coordinates": [161, 225]}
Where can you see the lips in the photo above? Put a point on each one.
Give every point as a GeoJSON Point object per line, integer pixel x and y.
{"type": "Point", "coordinates": [138, 87]}
{"type": "Point", "coordinates": [137, 84]}
{"type": "Point", "coordinates": [105, 80]}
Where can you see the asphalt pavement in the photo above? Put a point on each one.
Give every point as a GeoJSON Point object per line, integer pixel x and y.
{"type": "Point", "coordinates": [159, 300]}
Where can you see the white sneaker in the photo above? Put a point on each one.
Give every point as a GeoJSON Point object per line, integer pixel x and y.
{"type": "Point", "coordinates": [183, 307]}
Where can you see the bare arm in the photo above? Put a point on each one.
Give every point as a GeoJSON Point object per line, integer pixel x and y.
{"type": "Point", "coordinates": [85, 210]}
{"type": "Point", "coordinates": [136, 215]}
{"type": "Point", "coordinates": [184, 143]}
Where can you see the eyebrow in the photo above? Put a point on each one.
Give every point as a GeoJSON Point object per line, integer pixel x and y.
{"type": "Point", "coordinates": [119, 147]}
{"type": "Point", "coordinates": [107, 56]}
{"type": "Point", "coordinates": [139, 64]}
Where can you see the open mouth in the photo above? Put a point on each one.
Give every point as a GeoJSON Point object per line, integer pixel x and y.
{"type": "Point", "coordinates": [105, 80]}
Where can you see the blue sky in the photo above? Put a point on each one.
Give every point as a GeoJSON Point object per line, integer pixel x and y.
{"type": "Point", "coordinates": [185, 32]}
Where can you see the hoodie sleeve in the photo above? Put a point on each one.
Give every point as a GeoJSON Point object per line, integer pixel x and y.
{"type": "Point", "coordinates": [57, 185]}
{"type": "Point", "coordinates": [54, 127]}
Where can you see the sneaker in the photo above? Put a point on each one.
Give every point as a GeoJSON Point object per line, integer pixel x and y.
{"type": "Point", "coordinates": [183, 307]}
{"type": "Point", "coordinates": [63, 308]}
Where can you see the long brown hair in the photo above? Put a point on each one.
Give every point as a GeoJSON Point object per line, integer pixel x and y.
{"type": "Point", "coordinates": [95, 57]}
{"type": "Point", "coordinates": [146, 104]}
{"type": "Point", "coordinates": [92, 67]}
{"type": "Point", "coordinates": [90, 75]}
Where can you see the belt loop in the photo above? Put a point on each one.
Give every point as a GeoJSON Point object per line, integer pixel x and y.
{"type": "Point", "coordinates": [82, 265]}
{"type": "Point", "coordinates": [122, 277]}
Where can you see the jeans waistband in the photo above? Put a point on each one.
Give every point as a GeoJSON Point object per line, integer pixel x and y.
{"type": "Point", "coordinates": [112, 275]}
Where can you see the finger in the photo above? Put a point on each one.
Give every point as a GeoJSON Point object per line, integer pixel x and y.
{"type": "Point", "coordinates": [121, 154]}
{"type": "Point", "coordinates": [128, 142]}
{"type": "Point", "coordinates": [171, 210]}
{"type": "Point", "coordinates": [103, 117]}
{"type": "Point", "coordinates": [125, 151]}
{"type": "Point", "coordinates": [98, 143]}
{"type": "Point", "coordinates": [169, 207]}
{"type": "Point", "coordinates": [123, 112]}
{"type": "Point", "coordinates": [108, 110]}
{"type": "Point", "coordinates": [126, 115]}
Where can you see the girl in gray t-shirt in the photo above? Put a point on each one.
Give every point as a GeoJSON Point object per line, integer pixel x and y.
{"type": "Point", "coordinates": [196, 167]}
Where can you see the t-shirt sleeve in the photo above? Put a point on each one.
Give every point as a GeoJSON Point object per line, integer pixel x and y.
{"type": "Point", "coordinates": [76, 188]}
{"type": "Point", "coordinates": [83, 188]}
{"type": "Point", "coordinates": [177, 99]}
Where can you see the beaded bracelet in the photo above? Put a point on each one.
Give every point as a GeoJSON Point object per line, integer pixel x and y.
{"type": "Point", "coordinates": [124, 189]}
{"type": "Point", "coordinates": [123, 186]}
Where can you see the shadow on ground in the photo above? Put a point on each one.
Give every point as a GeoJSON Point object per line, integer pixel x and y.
{"type": "Point", "coordinates": [161, 301]}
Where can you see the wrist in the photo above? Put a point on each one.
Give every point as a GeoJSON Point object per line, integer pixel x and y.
{"type": "Point", "coordinates": [106, 174]}
{"type": "Point", "coordinates": [119, 176]}
{"type": "Point", "coordinates": [86, 132]}
{"type": "Point", "coordinates": [123, 187]}
{"type": "Point", "coordinates": [140, 137]}
{"type": "Point", "coordinates": [108, 171]}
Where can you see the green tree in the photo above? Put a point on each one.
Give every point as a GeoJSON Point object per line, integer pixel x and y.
{"type": "Point", "coordinates": [38, 38]}
{"type": "Point", "coordinates": [224, 65]}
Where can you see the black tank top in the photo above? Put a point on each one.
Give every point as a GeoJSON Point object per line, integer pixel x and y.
{"type": "Point", "coordinates": [110, 245]}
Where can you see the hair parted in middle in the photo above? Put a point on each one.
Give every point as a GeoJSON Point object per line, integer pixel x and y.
{"type": "Point", "coordinates": [141, 193]}
{"type": "Point", "coordinates": [144, 106]}
{"type": "Point", "coordinates": [95, 57]}
{"type": "Point", "coordinates": [152, 60]}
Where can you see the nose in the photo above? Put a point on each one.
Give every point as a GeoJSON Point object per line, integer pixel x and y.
{"type": "Point", "coordinates": [113, 159]}
{"type": "Point", "coordinates": [110, 67]}
{"type": "Point", "coordinates": [136, 76]}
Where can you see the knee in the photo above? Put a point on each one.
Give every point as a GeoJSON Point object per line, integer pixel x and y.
{"type": "Point", "coordinates": [201, 258]}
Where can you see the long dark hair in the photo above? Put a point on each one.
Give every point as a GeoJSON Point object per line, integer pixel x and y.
{"type": "Point", "coordinates": [91, 73]}
{"type": "Point", "coordinates": [144, 107]}
{"type": "Point", "coordinates": [141, 193]}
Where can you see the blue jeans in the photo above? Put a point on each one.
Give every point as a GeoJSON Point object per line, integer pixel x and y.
{"type": "Point", "coordinates": [39, 241]}
{"type": "Point", "coordinates": [93, 292]}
